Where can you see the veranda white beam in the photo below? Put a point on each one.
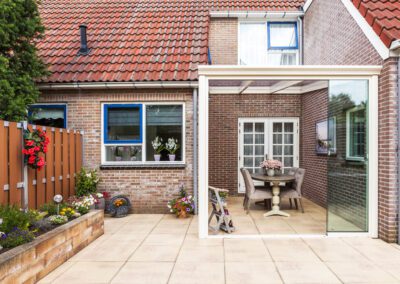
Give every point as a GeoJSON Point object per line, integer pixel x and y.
{"type": "Point", "coordinates": [282, 85]}
{"type": "Point", "coordinates": [319, 85]}
{"type": "Point", "coordinates": [244, 86]}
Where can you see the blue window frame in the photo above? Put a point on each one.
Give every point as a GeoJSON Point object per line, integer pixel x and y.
{"type": "Point", "coordinates": [271, 46]}
{"type": "Point", "coordinates": [48, 107]}
{"type": "Point", "coordinates": [108, 107]}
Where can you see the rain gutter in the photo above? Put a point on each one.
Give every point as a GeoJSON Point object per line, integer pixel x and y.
{"type": "Point", "coordinates": [118, 85]}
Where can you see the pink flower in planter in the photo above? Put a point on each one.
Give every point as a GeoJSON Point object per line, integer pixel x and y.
{"type": "Point", "coordinates": [271, 164]}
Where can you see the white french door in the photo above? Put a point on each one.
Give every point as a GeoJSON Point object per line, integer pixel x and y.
{"type": "Point", "coordinates": [267, 138]}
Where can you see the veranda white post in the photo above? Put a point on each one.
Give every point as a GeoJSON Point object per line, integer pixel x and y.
{"type": "Point", "coordinates": [373, 155]}
{"type": "Point", "coordinates": [203, 157]}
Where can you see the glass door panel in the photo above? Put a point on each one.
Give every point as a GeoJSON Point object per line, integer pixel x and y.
{"type": "Point", "coordinates": [283, 143]}
{"type": "Point", "coordinates": [348, 156]}
{"type": "Point", "coordinates": [252, 148]}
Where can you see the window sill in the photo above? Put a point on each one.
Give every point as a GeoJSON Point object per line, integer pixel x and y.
{"type": "Point", "coordinates": [141, 166]}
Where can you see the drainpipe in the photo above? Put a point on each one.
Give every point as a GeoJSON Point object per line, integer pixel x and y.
{"type": "Point", "coordinates": [195, 166]}
{"type": "Point", "coordinates": [301, 40]}
{"type": "Point", "coordinates": [398, 158]}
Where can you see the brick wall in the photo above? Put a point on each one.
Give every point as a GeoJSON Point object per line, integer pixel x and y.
{"type": "Point", "coordinates": [148, 188]}
{"type": "Point", "coordinates": [388, 154]}
{"type": "Point", "coordinates": [331, 36]}
{"type": "Point", "coordinates": [223, 41]}
{"type": "Point", "coordinates": [224, 112]}
{"type": "Point", "coordinates": [314, 108]}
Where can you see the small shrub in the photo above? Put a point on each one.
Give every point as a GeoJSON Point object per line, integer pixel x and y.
{"type": "Point", "coordinates": [86, 182]}
{"type": "Point", "coordinates": [13, 217]}
{"type": "Point", "coordinates": [58, 219]}
{"type": "Point", "coordinates": [16, 237]}
{"type": "Point", "coordinates": [43, 225]}
{"type": "Point", "coordinates": [51, 208]}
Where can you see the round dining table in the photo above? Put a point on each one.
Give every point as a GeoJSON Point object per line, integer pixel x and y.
{"type": "Point", "coordinates": [275, 180]}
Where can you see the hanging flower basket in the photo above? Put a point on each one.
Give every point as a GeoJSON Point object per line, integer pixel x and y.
{"type": "Point", "coordinates": [119, 206]}
{"type": "Point", "coordinates": [35, 142]}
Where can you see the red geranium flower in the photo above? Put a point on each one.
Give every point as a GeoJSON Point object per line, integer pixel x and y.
{"type": "Point", "coordinates": [40, 163]}
{"type": "Point", "coordinates": [44, 149]}
{"type": "Point", "coordinates": [25, 152]}
{"type": "Point", "coordinates": [36, 148]}
{"type": "Point", "coordinates": [31, 159]}
{"type": "Point", "coordinates": [31, 151]}
{"type": "Point", "coordinates": [29, 143]}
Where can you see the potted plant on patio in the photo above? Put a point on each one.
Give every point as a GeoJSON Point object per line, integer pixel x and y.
{"type": "Point", "coordinates": [158, 146]}
{"type": "Point", "coordinates": [270, 166]}
{"type": "Point", "coordinates": [172, 146]}
{"type": "Point", "coordinates": [182, 206]}
{"type": "Point", "coordinates": [119, 206]}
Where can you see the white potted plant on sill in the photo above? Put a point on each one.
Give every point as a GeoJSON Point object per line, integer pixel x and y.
{"type": "Point", "coordinates": [158, 146]}
{"type": "Point", "coordinates": [172, 146]}
{"type": "Point", "coordinates": [118, 154]}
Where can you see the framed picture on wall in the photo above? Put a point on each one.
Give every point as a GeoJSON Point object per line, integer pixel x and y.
{"type": "Point", "coordinates": [325, 131]}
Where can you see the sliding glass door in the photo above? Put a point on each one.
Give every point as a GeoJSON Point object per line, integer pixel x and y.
{"type": "Point", "coordinates": [348, 156]}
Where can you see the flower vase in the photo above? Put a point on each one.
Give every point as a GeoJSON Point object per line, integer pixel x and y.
{"type": "Point", "coordinates": [157, 157]}
{"type": "Point", "coordinates": [171, 157]}
{"type": "Point", "coordinates": [270, 172]}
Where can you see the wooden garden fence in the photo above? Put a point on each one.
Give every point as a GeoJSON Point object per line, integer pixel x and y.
{"type": "Point", "coordinates": [31, 188]}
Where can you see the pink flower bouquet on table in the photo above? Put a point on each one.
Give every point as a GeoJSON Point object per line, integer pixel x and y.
{"type": "Point", "coordinates": [271, 164]}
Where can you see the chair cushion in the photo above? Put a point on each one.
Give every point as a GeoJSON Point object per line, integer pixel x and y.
{"type": "Point", "coordinates": [261, 194]}
{"type": "Point", "coordinates": [289, 193]}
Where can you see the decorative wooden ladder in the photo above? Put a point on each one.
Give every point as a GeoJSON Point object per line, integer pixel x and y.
{"type": "Point", "coordinates": [220, 211]}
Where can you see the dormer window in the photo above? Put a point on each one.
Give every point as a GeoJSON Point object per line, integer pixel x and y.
{"type": "Point", "coordinates": [271, 43]}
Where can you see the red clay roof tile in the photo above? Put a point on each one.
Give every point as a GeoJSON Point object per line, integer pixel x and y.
{"type": "Point", "coordinates": [134, 40]}
{"type": "Point", "coordinates": [383, 16]}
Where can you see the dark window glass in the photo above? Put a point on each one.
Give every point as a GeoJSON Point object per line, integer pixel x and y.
{"type": "Point", "coordinates": [123, 123]}
{"type": "Point", "coordinates": [52, 116]}
{"type": "Point", "coordinates": [164, 121]}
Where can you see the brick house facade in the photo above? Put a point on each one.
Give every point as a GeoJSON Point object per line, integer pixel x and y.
{"type": "Point", "coordinates": [163, 55]}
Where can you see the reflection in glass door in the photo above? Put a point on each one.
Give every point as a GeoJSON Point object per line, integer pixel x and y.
{"type": "Point", "coordinates": [348, 163]}
{"type": "Point", "coordinates": [267, 138]}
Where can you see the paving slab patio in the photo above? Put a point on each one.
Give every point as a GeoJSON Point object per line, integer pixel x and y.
{"type": "Point", "coordinates": [156, 248]}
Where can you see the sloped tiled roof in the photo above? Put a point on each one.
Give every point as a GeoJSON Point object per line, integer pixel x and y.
{"type": "Point", "coordinates": [383, 16]}
{"type": "Point", "coordinates": [134, 40]}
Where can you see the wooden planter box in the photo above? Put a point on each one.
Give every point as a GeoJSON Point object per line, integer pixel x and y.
{"type": "Point", "coordinates": [32, 261]}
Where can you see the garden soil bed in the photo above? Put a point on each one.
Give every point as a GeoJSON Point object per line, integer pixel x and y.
{"type": "Point", "coordinates": [32, 261]}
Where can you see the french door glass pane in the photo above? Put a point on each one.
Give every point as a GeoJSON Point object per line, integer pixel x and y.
{"type": "Point", "coordinates": [253, 145]}
{"type": "Point", "coordinates": [347, 168]}
{"type": "Point", "coordinates": [282, 149]}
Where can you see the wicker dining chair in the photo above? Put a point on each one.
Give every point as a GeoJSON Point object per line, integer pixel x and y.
{"type": "Point", "coordinates": [295, 192]}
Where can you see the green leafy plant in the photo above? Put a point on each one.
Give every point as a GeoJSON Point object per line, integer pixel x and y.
{"type": "Point", "coordinates": [51, 208]}
{"type": "Point", "coordinates": [58, 219]}
{"type": "Point", "coordinates": [20, 66]}
{"type": "Point", "coordinates": [87, 181]}
{"type": "Point", "coordinates": [13, 217]}
{"type": "Point", "coordinates": [16, 237]}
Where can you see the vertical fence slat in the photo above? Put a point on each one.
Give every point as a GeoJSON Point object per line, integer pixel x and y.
{"type": "Point", "coordinates": [15, 154]}
{"type": "Point", "coordinates": [40, 186]}
{"type": "Point", "coordinates": [57, 161]}
{"type": "Point", "coordinates": [31, 185]}
{"type": "Point", "coordinates": [50, 166]}
{"type": "Point", "coordinates": [3, 163]}
{"type": "Point", "coordinates": [78, 151]}
{"type": "Point", "coordinates": [65, 164]}
{"type": "Point", "coordinates": [71, 163]}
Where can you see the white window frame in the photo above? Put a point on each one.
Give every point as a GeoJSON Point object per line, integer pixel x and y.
{"type": "Point", "coordinates": [143, 144]}
{"type": "Point", "coordinates": [348, 128]}
{"type": "Point", "coordinates": [271, 51]}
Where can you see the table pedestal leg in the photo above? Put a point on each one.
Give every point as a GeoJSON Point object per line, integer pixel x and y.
{"type": "Point", "coordinates": [275, 202]}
